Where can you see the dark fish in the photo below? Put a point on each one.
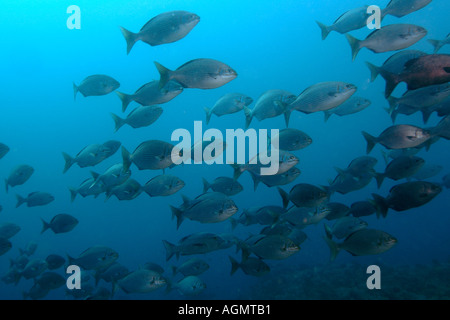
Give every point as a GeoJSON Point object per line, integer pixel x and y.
{"type": "Point", "coordinates": [95, 258]}
{"type": "Point", "coordinates": [54, 261]}
{"type": "Point", "coordinates": [50, 281]}
{"type": "Point", "coordinates": [5, 246]}
{"type": "Point", "coordinates": [428, 171]}
{"type": "Point", "coordinates": [346, 183]}
{"type": "Point", "coordinates": [389, 38]}
{"type": "Point", "coordinates": [141, 281]}
{"type": "Point", "coordinates": [446, 181]}
{"type": "Point", "coordinates": [277, 179]}
{"type": "Point", "coordinates": [164, 28]}
{"type": "Point", "coordinates": [151, 94]}
{"type": "Point", "coordinates": [87, 188]}
{"type": "Point", "coordinates": [362, 209]}
{"type": "Point", "coordinates": [154, 266]}
{"type": "Point", "coordinates": [359, 166]}
{"type": "Point", "coordinates": [114, 176]}
{"type": "Point", "coordinates": [351, 20]}
{"type": "Point", "coordinates": [128, 190]}
{"type": "Point", "coordinates": [96, 85]}
{"type": "Point", "coordinates": [292, 139]}
{"type": "Point", "coordinates": [34, 268]}
{"type": "Point", "coordinates": [197, 243]}
{"type": "Point", "coordinates": [112, 274]}
{"type": "Point", "coordinates": [400, 168]}
{"type": "Point", "coordinates": [273, 247]}
{"type": "Point", "coordinates": [12, 276]}
{"type": "Point", "coordinates": [216, 208]}
{"type": "Point", "coordinates": [443, 128]}
{"type": "Point", "coordinates": [301, 217]}
{"type": "Point", "coordinates": [140, 117]}
{"type": "Point", "coordinates": [29, 249]}
{"type": "Point", "coordinates": [163, 185]}
{"type": "Point", "coordinates": [8, 230]}
{"type": "Point", "coordinates": [225, 185]}
{"type": "Point", "coordinates": [344, 227]}
{"type": "Point", "coordinates": [192, 267]}
{"type": "Point", "coordinates": [199, 73]}
{"type": "Point", "coordinates": [337, 210]}
{"type": "Point", "coordinates": [420, 72]}
{"type": "Point", "coordinates": [228, 104]}
{"type": "Point", "coordinates": [250, 266]}
{"type": "Point", "coordinates": [438, 44]}
{"type": "Point", "coordinates": [91, 155]}
{"type": "Point", "coordinates": [270, 104]}
{"type": "Point", "coordinates": [363, 242]}
{"type": "Point", "coordinates": [4, 149]}
{"type": "Point", "coordinates": [61, 223]}
{"type": "Point", "coordinates": [305, 195]}
{"type": "Point", "coordinates": [398, 137]}
{"type": "Point", "coordinates": [35, 199]}
{"type": "Point", "coordinates": [19, 176]}
{"type": "Point", "coordinates": [395, 63]}
{"type": "Point", "coordinates": [351, 106]}
{"type": "Point", "coordinates": [149, 155]}
{"type": "Point", "coordinates": [188, 286]}
{"type": "Point", "coordinates": [400, 8]}
{"type": "Point", "coordinates": [406, 196]}
{"type": "Point", "coordinates": [267, 215]}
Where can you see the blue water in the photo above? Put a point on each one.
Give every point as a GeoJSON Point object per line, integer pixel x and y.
{"type": "Point", "coordinates": [272, 45]}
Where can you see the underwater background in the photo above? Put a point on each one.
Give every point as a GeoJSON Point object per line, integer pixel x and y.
{"type": "Point", "coordinates": [271, 45]}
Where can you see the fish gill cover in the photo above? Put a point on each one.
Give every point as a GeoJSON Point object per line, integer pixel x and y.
{"type": "Point", "coordinates": [141, 227]}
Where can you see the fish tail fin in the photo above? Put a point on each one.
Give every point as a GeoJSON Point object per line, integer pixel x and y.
{"type": "Point", "coordinates": [374, 71]}
{"type": "Point", "coordinates": [208, 114]}
{"type": "Point", "coordinates": [248, 117]}
{"type": "Point", "coordinates": [256, 180]}
{"type": "Point", "coordinates": [234, 223]}
{"type": "Point", "coordinates": [327, 114]}
{"type": "Point", "coordinates": [73, 194]}
{"type": "Point", "coordinates": [287, 116]}
{"type": "Point", "coordinates": [379, 177]}
{"type": "Point", "coordinates": [165, 74]}
{"type": "Point", "coordinates": [118, 121]}
{"type": "Point", "coordinates": [171, 249]}
{"type": "Point", "coordinates": [45, 226]}
{"type": "Point", "coordinates": [380, 204]}
{"type": "Point", "coordinates": [426, 114]}
{"type": "Point", "coordinates": [126, 158]}
{"type": "Point", "coordinates": [355, 45]}
{"type": "Point", "coordinates": [237, 171]}
{"type": "Point", "coordinates": [284, 196]}
{"type": "Point", "coordinates": [6, 185]}
{"type": "Point", "coordinates": [334, 248]}
{"type": "Point", "coordinates": [69, 161]}
{"type": "Point", "coordinates": [75, 91]}
{"type": "Point", "coordinates": [328, 231]}
{"type": "Point", "coordinates": [385, 157]}
{"type": "Point", "coordinates": [125, 98]}
{"type": "Point", "coordinates": [393, 103]}
{"type": "Point", "coordinates": [371, 141]}
{"type": "Point", "coordinates": [206, 185]}
{"type": "Point", "coordinates": [392, 80]}
{"type": "Point", "coordinates": [325, 29]}
{"type": "Point", "coordinates": [130, 38]}
{"type": "Point", "coordinates": [234, 265]}
{"type": "Point", "coordinates": [436, 44]}
{"type": "Point", "coordinates": [178, 214]}
{"type": "Point", "coordinates": [70, 260]}
{"type": "Point", "coordinates": [20, 200]}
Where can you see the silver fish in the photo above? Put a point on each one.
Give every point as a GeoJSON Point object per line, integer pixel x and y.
{"type": "Point", "coordinates": [321, 97]}
{"type": "Point", "coordinates": [163, 186]}
{"type": "Point", "coordinates": [225, 185]}
{"type": "Point", "coordinates": [95, 258]}
{"type": "Point", "coordinates": [19, 176]}
{"type": "Point", "coordinates": [273, 247]}
{"type": "Point", "coordinates": [164, 28]}
{"type": "Point", "coordinates": [151, 94]}
{"type": "Point", "coordinates": [149, 155]}
{"type": "Point", "coordinates": [351, 20]}
{"type": "Point", "coordinates": [292, 139]}
{"type": "Point", "coordinates": [228, 104]}
{"type": "Point", "coordinates": [189, 286]}
{"type": "Point", "coordinates": [141, 281]}
{"type": "Point", "coordinates": [351, 106]}
{"type": "Point", "coordinates": [400, 8]}
{"type": "Point", "coordinates": [199, 73]}
{"type": "Point", "coordinates": [344, 227]}
{"type": "Point", "coordinates": [276, 180]}
{"type": "Point", "coordinates": [128, 190]}
{"type": "Point", "coordinates": [398, 137]}
{"type": "Point", "coordinates": [192, 267]}
{"type": "Point", "coordinates": [140, 117]}
{"type": "Point", "coordinates": [270, 104]}
{"type": "Point", "coordinates": [389, 38]}
{"type": "Point", "coordinates": [96, 85]}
